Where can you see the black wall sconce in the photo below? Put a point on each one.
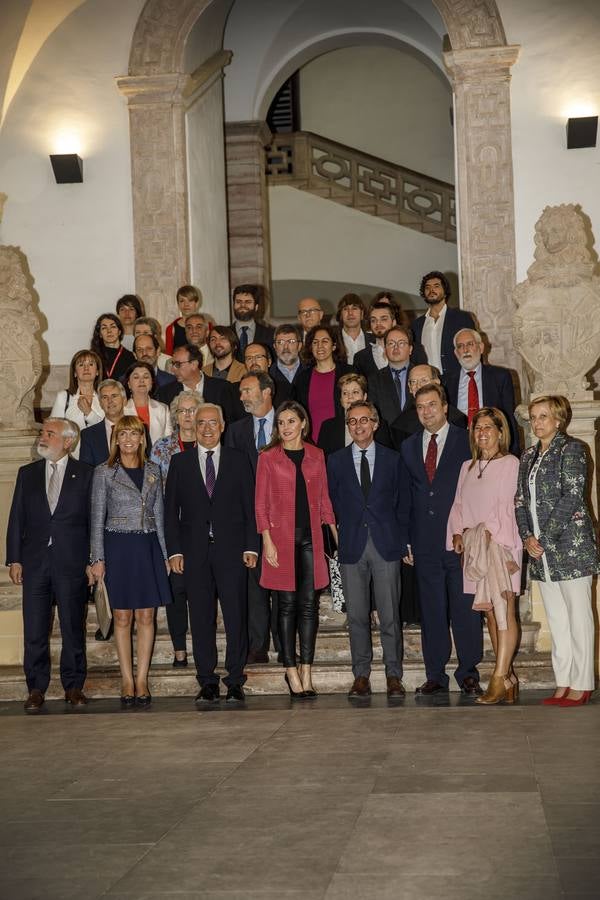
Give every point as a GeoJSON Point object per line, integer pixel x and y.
{"type": "Point", "coordinates": [67, 168]}
{"type": "Point", "coordinates": [582, 132]}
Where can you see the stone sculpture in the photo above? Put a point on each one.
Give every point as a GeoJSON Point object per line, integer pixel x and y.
{"type": "Point", "coordinates": [556, 327]}
{"type": "Point", "coordinates": [20, 353]}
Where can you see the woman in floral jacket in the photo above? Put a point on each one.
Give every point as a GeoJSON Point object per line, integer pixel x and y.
{"type": "Point", "coordinates": [558, 534]}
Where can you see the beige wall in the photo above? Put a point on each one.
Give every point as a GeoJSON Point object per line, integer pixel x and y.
{"type": "Point", "coordinates": [382, 101]}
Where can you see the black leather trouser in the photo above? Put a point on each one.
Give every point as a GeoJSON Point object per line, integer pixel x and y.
{"type": "Point", "coordinates": [299, 610]}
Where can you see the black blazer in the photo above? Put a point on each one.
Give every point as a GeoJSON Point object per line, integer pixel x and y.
{"type": "Point", "coordinates": [364, 363]}
{"type": "Point", "coordinates": [31, 525]}
{"type": "Point", "coordinates": [94, 448]}
{"type": "Point", "coordinates": [408, 423]}
{"type": "Point", "coordinates": [498, 391]}
{"type": "Point", "coordinates": [240, 436]}
{"type": "Point", "coordinates": [162, 378]}
{"type": "Point", "coordinates": [332, 435]}
{"type": "Point", "coordinates": [284, 389]}
{"type": "Point", "coordinates": [455, 320]}
{"type": "Point", "coordinates": [302, 386]}
{"type": "Point", "coordinates": [382, 392]}
{"type": "Point", "coordinates": [430, 504]}
{"type": "Point", "coordinates": [214, 391]}
{"type": "Point", "coordinates": [190, 512]}
{"type": "Point", "coordinates": [263, 334]}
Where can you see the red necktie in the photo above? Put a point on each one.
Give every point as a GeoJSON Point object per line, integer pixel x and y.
{"type": "Point", "coordinates": [431, 457]}
{"type": "Point", "coordinates": [472, 397]}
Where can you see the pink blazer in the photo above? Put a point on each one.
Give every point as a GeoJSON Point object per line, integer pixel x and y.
{"type": "Point", "coordinates": [275, 507]}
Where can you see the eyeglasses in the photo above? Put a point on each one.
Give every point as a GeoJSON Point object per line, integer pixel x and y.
{"type": "Point", "coordinates": [303, 313]}
{"type": "Point", "coordinates": [255, 357]}
{"type": "Point", "coordinates": [364, 420]}
{"type": "Point", "coordinates": [284, 342]}
{"type": "Point", "coordinates": [187, 412]}
{"type": "Point", "coordinates": [396, 344]}
{"type": "Point", "coordinates": [177, 365]}
{"type": "Point", "coordinates": [417, 383]}
{"type": "Point", "coordinates": [208, 423]}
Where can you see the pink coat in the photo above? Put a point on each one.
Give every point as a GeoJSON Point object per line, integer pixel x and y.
{"type": "Point", "coordinates": [275, 507]}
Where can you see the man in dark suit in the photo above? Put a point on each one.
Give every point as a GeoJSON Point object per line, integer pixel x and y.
{"type": "Point", "coordinates": [95, 440]}
{"type": "Point", "coordinates": [187, 365]}
{"type": "Point", "coordinates": [382, 316]}
{"type": "Point", "coordinates": [146, 349]}
{"type": "Point", "coordinates": [211, 539]}
{"type": "Point", "coordinates": [408, 421]}
{"type": "Point", "coordinates": [249, 435]}
{"type": "Point", "coordinates": [434, 331]}
{"type": "Point", "coordinates": [258, 359]}
{"type": "Point", "coordinates": [478, 384]}
{"type": "Point", "coordinates": [287, 344]}
{"type": "Point", "coordinates": [365, 486]}
{"type": "Point", "coordinates": [248, 306]}
{"type": "Point", "coordinates": [47, 551]}
{"type": "Point", "coordinates": [388, 387]}
{"type": "Point", "coordinates": [432, 459]}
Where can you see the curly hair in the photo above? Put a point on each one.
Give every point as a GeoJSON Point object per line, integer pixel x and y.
{"type": "Point", "coordinates": [429, 277]}
{"type": "Point", "coordinates": [339, 348]}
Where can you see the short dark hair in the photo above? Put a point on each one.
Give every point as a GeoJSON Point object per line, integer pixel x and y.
{"type": "Point", "coordinates": [391, 307]}
{"type": "Point", "coordinates": [429, 277]}
{"type": "Point", "coordinates": [255, 290]}
{"type": "Point", "coordinates": [432, 388]}
{"type": "Point", "coordinates": [155, 341]}
{"type": "Point", "coordinates": [139, 365]}
{"type": "Point", "coordinates": [134, 302]}
{"type": "Point", "coordinates": [265, 347]}
{"type": "Point", "coordinates": [350, 300]}
{"type": "Point", "coordinates": [289, 328]}
{"type": "Point", "coordinates": [339, 348]}
{"type": "Point", "coordinates": [194, 353]}
{"type": "Point", "coordinates": [226, 332]}
{"type": "Point", "coordinates": [265, 382]}
{"type": "Point", "coordinates": [407, 332]}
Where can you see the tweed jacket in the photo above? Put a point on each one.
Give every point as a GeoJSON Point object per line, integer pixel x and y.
{"type": "Point", "coordinates": [566, 529]}
{"type": "Point", "coordinates": [117, 505]}
{"type": "Point", "coordinates": [275, 507]}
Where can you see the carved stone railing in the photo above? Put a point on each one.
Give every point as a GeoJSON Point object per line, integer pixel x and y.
{"type": "Point", "coordinates": [348, 176]}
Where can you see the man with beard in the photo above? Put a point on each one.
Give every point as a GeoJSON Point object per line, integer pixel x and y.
{"type": "Point", "coordinates": [382, 316]}
{"type": "Point", "coordinates": [250, 435]}
{"type": "Point", "coordinates": [247, 309]}
{"type": "Point", "coordinates": [284, 371]}
{"type": "Point", "coordinates": [196, 333]}
{"type": "Point", "coordinates": [223, 345]}
{"type": "Point", "coordinates": [47, 550]}
{"type": "Point", "coordinates": [434, 331]}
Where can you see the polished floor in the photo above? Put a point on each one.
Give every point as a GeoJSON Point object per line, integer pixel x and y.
{"type": "Point", "coordinates": [319, 801]}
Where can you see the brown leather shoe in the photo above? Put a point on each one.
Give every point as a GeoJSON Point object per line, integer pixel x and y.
{"type": "Point", "coordinates": [395, 688]}
{"type": "Point", "coordinates": [34, 702]}
{"type": "Point", "coordinates": [75, 697]}
{"type": "Point", "coordinates": [431, 687]}
{"type": "Point", "coordinates": [360, 688]}
{"type": "Point", "coordinates": [471, 687]}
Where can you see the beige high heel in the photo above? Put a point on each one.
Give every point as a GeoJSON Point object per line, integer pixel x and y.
{"type": "Point", "coordinates": [498, 691]}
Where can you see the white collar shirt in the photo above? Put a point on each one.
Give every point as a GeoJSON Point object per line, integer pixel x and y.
{"type": "Point", "coordinates": [353, 345]}
{"type": "Point", "coordinates": [442, 434]}
{"type": "Point", "coordinates": [216, 456]}
{"type": "Point", "coordinates": [431, 337]}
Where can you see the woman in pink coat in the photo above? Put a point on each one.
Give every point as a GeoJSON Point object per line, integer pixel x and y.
{"type": "Point", "coordinates": [292, 503]}
{"type": "Point", "coordinates": [485, 497]}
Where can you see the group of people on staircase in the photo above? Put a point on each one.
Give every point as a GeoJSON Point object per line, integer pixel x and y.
{"type": "Point", "coordinates": [180, 482]}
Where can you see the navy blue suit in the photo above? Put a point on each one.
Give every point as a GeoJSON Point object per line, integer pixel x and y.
{"type": "Point", "coordinates": [454, 320]}
{"type": "Point", "coordinates": [497, 388]}
{"type": "Point", "coordinates": [439, 571]}
{"type": "Point", "coordinates": [162, 378]}
{"type": "Point", "coordinates": [52, 571]}
{"type": "Point", "coordinates": [94, 445]}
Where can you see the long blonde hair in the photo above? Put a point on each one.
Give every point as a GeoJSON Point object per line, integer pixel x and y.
{"type": "Point", "coordinates": [501, 423]}
{"type": "Point", "coordinates": [125, 423]}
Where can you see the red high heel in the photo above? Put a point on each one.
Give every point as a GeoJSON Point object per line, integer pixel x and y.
{"type": "Point", "coordinates": [585, 698]}
{"type": "Point", "coordinates": [554, 701]}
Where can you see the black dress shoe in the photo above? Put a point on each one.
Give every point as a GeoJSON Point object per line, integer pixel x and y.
{"type": "Point", "coordinates": [235, 694]}
{"type": "Point", "coordinates": [180, 663]}
{"type": "Point", "coordinates": [471, 687]}
{"type": "Point", "coordinates": [127, 700]}
{"type": "Point", "coordinates": [143, 700]}
{"type": "Point", "coordinates": [208, 694]}
{"type": "Point", "coordinates": [257, 658]}
{"type": "Point", "coordinates": [431, 687]}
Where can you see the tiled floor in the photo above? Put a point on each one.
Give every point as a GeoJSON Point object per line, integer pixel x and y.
{"type": "Point", "coordinates": [319, 801]}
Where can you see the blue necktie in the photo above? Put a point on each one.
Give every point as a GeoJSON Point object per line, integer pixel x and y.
{"type": "Point", "coordinates": [210, 473]}
{"type": "Point", "coordinates": [243, 338]}
{"type": "Point", "coordinates": [261, 438]}
{"type": "Point", "coordinates": [397, 373]}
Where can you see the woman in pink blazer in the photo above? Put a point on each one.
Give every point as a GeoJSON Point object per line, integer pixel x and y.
{"type": "Point", "coordinates": [292, 503]}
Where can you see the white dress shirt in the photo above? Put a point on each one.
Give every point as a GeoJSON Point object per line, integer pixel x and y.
{"type": "Point", "coordinates": [357, 457]}
{"type": "Point", "coordinates": [431, 338]}
{"type": "Point", "coordinates": [463, 389]}
{"type": "Point", "coordinates": [61, 468]}
{"type": "Point", "coordinates": [442, 434]}
{"type": "Point", "coordinates": [378, 352]}
{"type": "Point", "coordinates": [216, 456]}
{"type": "Point", "coordinates": [353, 345]}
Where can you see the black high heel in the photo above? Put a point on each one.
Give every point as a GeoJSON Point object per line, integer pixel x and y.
{"type": "Point", "coordinates": [295, 695]}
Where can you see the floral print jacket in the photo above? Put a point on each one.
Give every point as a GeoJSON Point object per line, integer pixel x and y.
{"type": "Point", "coordinates": [566, 529]}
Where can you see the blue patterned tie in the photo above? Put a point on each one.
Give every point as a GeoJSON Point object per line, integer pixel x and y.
{"type": "Point", "coordinates": [210, 473]}
{"type": "Point", "coordinates": [261, 438]}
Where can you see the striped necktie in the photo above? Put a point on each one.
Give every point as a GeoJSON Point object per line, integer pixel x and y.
{"type": "Point", "coordinates": [53, 487]}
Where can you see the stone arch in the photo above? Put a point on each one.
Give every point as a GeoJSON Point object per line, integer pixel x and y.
{"type": "Point", "coordinates": [478, 63]}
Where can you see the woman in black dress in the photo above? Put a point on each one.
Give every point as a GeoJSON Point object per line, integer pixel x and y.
{"type": "Point", "coordinates": [128, 549]}
{"type": "Point", "coordinates": [106, 342]}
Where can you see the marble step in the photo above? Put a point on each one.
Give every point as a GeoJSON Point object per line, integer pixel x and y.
{"type": "Point", "coordinates": [534, 671]}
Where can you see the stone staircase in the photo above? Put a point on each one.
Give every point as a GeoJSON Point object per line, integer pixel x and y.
{"type": "Point", "coordinates": [378, 187]}
{"type": "Point", "coordinates": [332, 672]}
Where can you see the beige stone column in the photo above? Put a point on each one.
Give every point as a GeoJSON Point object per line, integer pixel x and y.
{"type": "Point", "coordinates": [158, 168]}
{"type": "Point", "coordinates": [481, 83]}
{"type": "Point", "coordinates": [248, 203]}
